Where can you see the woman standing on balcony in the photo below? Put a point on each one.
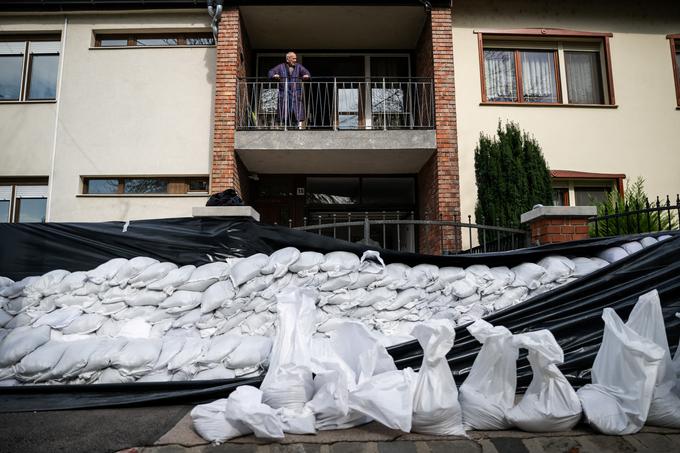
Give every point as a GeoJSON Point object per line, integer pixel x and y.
{"type": "Point", "coordinates": [291, 104]}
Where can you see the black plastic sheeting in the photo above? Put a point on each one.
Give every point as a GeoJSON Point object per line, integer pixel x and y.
{"type": "Point", "coordinates": [572, 312]}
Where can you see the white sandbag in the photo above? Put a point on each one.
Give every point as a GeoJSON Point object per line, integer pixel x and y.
{"type": "Point", "coordinates": [245, 407]}
{"type": "Point", "coordinates": [613, 254]}
{"type": "Point", "coordinates": [4, 317]}
{"type": "Point", "coordinates": [644, 242]}
{"type": "Point", "coordinates": [550, 403]}
{"type": "Point", "coordinates": [251, 352]}
{"type": "Point", "coordinates": [151, 274]}
{"type": "Point", "coordinates": [393, 277]}
{"type": "Point", "coordinates": [247, 268]}
{"type": "Point", "coordinates": [277, 285]}
{"type": "Point", "coordinates": [17, 288]}
{"type": "Point", "coordinates": [297, 422]}
{"type": "Point", "coordinates": [584, 266]}
{"type": "Point", "coordinates": [404, 298]}
{"type": "Point", "coordinates": [371, 262]}
{"type": "Point", "coordinates": [141, 298]}
{"type": "Point", "coordinates": [233, 322]}
{"type": "Point", "coordinates": [502, 278]}
{"type": "Point", "coordinates": [87, 289]}
{"type": "Point", "coordinates": [135, 328]}
{"type": "Point", "coordinates": [218, 372]}
{"type": "Point", "coordinates": [86, 323]}
{"type": "Point", "coordinates": [280, 261]}
{"type": "Point", "coordinates": [105, 309]}
{"type": "Point", "coordinates": [339, 282]}
{"type": "Point", "coordinates": [181, 301]}
{"type": "Point", "coordinates": [191, 351]}
{"type": "Point", "coordinates": [462, 288]}
{"type": "Point", "coordinates": [254, 286]}
{"type": "Point", "coordinates": [209, 421]}
{"type": "Point", "coordinates": [110, 328]}
{"type": "Point", "coordinates": [205, 275]}
{"type": "Point", "coordinates": [646, 320]}
{"type": "Point", "coordinates": [481, 273]}
{"type": "Point", "coordinates": [288, 382]}
{"type": "Point", "coordinates": [81, 302]}
{"type": "Point", "coordinates": [171, 346]}
{"type": "Point", "coordinates": [131, 269]}
{"type": "Point", "coordinates": [75, 357]}
{"type": "Point", "coordinates": [258, 323]}
{"type": "Point", "coordinates": [364, 280]}
{"type": "Point", "coordinates": [138, 356]}
{"type": "Point", "coordinates": [382, 295]}
{"type": "Point", "coordinates": [422, 275]}
{"type": "Point", "coordinates": [20, 342]}
{"type": "Point", "coordinates": [340, 263]}
{"type": "Point", "coordinates": [157, 376]}
{"type": "Point", "coordinates": [510, 297]}
{"type": "Point", "coordinates": [103, 355]}
{"type": "Point", "coordinates": [308, 263]}
{"type": "Point", "coordinates": [5, 281]}
{"type": "Point", "coordinates": [141, 313]}
{"type": "Point", "coordinates": [188, 318]}
{"type": "Point", "coordinates": [557, 268]}
{"type": "Point", "coordinates": [173, 280]}
{"type": "Point", "coordinates": [117, 294]}
{"type": "Point", "coordinates": [624, 376]}
{"type": "Point", "coordinates": [217, 295]}
{"type": "Point", "coordinates": [489, 390]}
{"type": "Point", "coordinates": [20, 304]}
{"type": "Point", "coordinates": [106, 271]}
{"type": "Point", "coordinates": [46, 285]}
{"type": "Point", "coordinates": [114, 376]}
{"type": "Point", "coordinates": [632, 247]}
{"type": "Point", "coordinates": [60, 318]}
{"type": "Point", "coordinates": [435, 402]}
{"type": "Point", "coordinates": [37, 366]}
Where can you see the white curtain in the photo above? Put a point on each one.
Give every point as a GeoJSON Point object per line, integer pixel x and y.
{"type": "Point", "coordinates": [499, 75]}
{"type": "Point", "coordinates": [538, 76]}
{"type": "Point", "coordinates": [584, 83]}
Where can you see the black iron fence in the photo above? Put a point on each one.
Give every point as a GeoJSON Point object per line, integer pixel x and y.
{"type": "Point", "coordinates": [401, 231]}
{"type": "Point", "coordinates": [632, 218]}
{"type": "Point", "coordinates": [335, 103]}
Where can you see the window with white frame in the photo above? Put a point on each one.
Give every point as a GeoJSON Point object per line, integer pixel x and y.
{"type": "Point", "coordinates": [531, 68]}
{"type": "Point", "coordinates": [23, 202]}
{"type": "Point", "coordinates": [29, 67]}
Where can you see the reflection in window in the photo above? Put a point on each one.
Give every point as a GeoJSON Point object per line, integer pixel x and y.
{"type": "Point", "coordinates": [200, 41]}
{"type": "Point", "coordinates": [145, 186]}
{"type": "Point", "coordinates": [332, 190]}
{"type": "Point", "coordinates": [113, 42]}
{"type": "Point", "coordinates": [4, 211]}
{"type": "Point", "coordinates": [156, 41]}
{"type": "Point", "coordinates": [198, 185]}
{"type": "Point", "coordinates": [590, 196]}
{"type": "Point", "coordinates": [102, 186]}
{"type": "Point", "coordinates": [138, 185]}
{"type": "Point", "coordinates": [31, 210]}
{"type": "Point", "coordinates": [43, 78]}
{"type": "Point", "coordinates": [10, 77]}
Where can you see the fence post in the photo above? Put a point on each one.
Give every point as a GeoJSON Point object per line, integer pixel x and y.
{"type": "Point", "coordinates": [335, 104]}
{"type": "Point", "coordinates": [285, 107]}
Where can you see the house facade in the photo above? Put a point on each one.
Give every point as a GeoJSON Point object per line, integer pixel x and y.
{"type": "Point", "coordinates": [113, 110]}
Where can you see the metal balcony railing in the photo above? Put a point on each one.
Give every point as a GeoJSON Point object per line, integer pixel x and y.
{"type": "Point", "coordinates": [336, 103]}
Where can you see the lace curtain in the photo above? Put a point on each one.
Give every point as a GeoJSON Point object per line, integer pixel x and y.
{"type": "Point", "coordinates": [584, 80]}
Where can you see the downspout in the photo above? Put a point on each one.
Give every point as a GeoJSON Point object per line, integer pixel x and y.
{"type": "Point", "coordinates": [50, 179]}
{"type": "Point", "coordinates": [215, 11]}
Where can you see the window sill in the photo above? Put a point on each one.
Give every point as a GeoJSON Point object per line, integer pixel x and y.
{"type": "Point", "coordinates": [43, 101]}
{"type": "Point", "coordinates": [153, 47]}
{"type": "Point", "coordinates": [537, 104]}
{"type": "Point", "coordinates": [143, 195]}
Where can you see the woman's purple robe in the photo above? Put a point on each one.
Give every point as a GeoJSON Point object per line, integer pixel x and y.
{"type": "Point", "coordinates": [296, 105]}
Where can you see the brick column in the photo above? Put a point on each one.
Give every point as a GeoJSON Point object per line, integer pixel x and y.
{"type": "Point", "coordinates": [553, 224]}
{"type": "Point", "coordinates": [438, 179]}
{"type": "Point", "coordinates": [226, 170]}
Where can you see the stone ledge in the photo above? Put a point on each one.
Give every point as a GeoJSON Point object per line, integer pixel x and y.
{"type": "Point", "coordinates": [558, 211]}
{"type": "Point", "coordinates": [225, 211]}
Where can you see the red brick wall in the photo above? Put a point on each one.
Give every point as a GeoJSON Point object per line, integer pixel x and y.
{"type": "Point", "coordinates": [550, 230]}
{"type": "Point", "coordinates": [233, 56]}
{"type": "Point", "coordinates": [438, 180]}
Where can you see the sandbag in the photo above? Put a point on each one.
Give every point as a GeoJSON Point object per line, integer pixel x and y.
{"type": "Point", "coordinates": [75, 357]}
{"type": "Point", "coordinates": [646, 320]}
{"type": "Point", "coordinates": [584, 266]}
{"type": "Point", "coordinates": [83, 324]}
{"type": "Point", "coordinates": [340, 263]}
{"type": "Point", "coordinates": [435, 402]}
{"type": "Point", "coordinates": [557, 268]}
{"type": "Point", "coordinates": [613, 254]}
{"type": "Point", "coordinates": [106, 271]}
{"type": "Point", "coordinates": [181, 301]}
{"type": "Point", "coordinates": [280, 261]}
{"type": "Point", "coordinates": [37, 366]}
{"type": "Point", "coordinates": [137, 357]}
{"type": "Point", "coordinates": [141, 298]}
{"type": "Point", "coordinates": [173, 280]}
{"type": "Point", "coordinates": [245, 407]}
{"type": "Point", "coordinates": [488, 393]}
{"type": "Point", "coordinates": [209, 421]}
{"type": "Point", "coordinates": [151, 274]}
{"type": "Point", "coordinates": [46, 284]}
{"type": "Point", "coordinates": [550, 403]}
{"type": "Point", "coordinates": [20, 342]}
{"type": "Point", "coordinates": [247, 268]}
{"type": "Point", "coordinates": [308, 263]}
{"type": "Point", "coordinates": [217, 295]}
{"type": "Point", "coordinates": [131, 269]}
{"type": "Point", "coordinates": [624, 376]}
{"type": "Point", "coordinates": [204, 276]}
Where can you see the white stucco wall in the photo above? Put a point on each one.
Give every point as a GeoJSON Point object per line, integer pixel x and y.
{"type": "Point", "coordinates": [121, 112]}
{"type": "Point", "coordinates": [641, 137]}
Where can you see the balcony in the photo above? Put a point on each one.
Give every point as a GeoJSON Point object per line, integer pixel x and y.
{"type": "Point", "coordinates": [335, 125]}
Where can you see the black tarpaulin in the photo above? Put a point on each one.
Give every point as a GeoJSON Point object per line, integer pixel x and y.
{"type": "Point", "coordinates": [572, 312]}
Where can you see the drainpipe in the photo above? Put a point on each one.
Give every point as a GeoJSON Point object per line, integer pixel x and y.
{"type": "Point", "coordinates": [215, 11]}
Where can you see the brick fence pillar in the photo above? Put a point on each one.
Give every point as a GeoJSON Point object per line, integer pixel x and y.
{"type": "Point", "coordinates": [552, 224]}
{"type": "Point", "coordinates": [226, 170]}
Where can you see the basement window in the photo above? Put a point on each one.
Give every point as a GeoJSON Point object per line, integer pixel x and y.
{"type": "Point", "coordinates": [144, 185]}
{"type": "Point", "coordinates": [146, 39]}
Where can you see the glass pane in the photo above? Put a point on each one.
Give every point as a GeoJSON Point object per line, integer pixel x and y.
{"type": "Point", "coordinates": [43, 80]}
{"type": "Point", "coordinates": [145, 186]}
{"type": "Point", "coordinates": [559, 197]}
{"type": "Point", "coordinates": [590, 196]}
{"type": "Point", "coordinates": [10, 77]}
{"type": "Point", "coordinates": [156, 41]}
{"type": "Point", "coordinates": [499, 75]}
{"type": "Point", "coordinates": [388, 191]}
{"type": "Point", "coordinates": [389, 67]}
{"type": "Point", "coordinates": [348, 100]}
{"type": "Point", "coordinates": [31, 209]}
{"type": "Point", "coordinates": [328, 190]}
{"type": "Point", "coordinates": [584, 77]}
{"type": "Point", "coordinates": [102, 186]}
{"type": "Point", "coordinates": [4, 211]}
{"type": "Point", "coordinates": [538, 76]}
{"type": "Point", "coordinates": [200, 41]}
{"type": "Point", "coordinates": [114, 42]}
{"type": "Point", "coordinates": [198, 185]}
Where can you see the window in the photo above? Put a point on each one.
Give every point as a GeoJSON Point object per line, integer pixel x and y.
{"type": "Point", "coordinates": [675, 61]}
{"type": "Point", "coordinates": [23, 201]}
{"type": "Point", "coordinates": [577, 188]}
{"type": "Point", "coordinates": [560, 196]}
{"type": "Point", "coordinates": [170, 39]}
{"type": "Point", "coordinates": [545, 67]}
{"type": "Point", "coordinates": [29, 67]}
{"type": "Point", "coordinates": [141, 185]}
{"type": "Point", "coordinates": [590, 196]}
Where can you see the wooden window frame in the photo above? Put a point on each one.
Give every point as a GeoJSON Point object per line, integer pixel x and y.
{"type": "Point", "coordinates": [27, 56]}
{"type": "Point", "coordinates": [674, 40]}
{"type": "Point", "coordinates": [13, 215]}
{"type": "Point", "coordinates": [132, 39]}
{"type": "Point", "coordinates": [176, 185]}
{"type": "Point", "coordinates": [556, 34]}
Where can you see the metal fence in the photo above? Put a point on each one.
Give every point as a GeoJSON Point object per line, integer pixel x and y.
{"type": "Point", "coordinates": [397, 231]}
{"type": "Point", "coordinates": [336, 103]}
{"type": "Point", "coordinates": [637, 218]}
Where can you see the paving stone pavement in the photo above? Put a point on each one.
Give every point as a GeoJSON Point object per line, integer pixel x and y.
{"type": "Point", "coordinates": [375, 438]}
